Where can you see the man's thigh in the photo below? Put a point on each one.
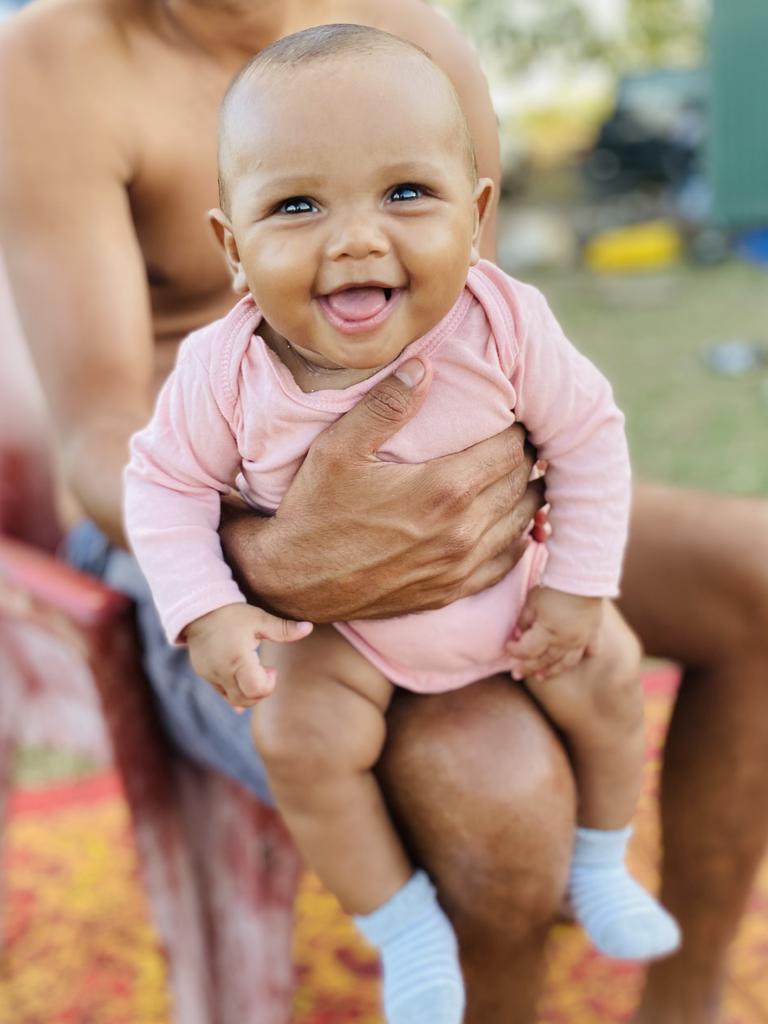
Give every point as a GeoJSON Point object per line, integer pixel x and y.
{"type": "Point", "coordinates": [696, 573]}
{"type": "Point", "coordinates": [482, 789]}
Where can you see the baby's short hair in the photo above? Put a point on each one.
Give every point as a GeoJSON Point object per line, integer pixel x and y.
{"type": "Point", "coordinates": [324, 43]}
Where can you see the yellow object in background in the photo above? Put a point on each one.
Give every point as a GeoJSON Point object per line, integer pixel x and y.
{"type": "Point", "coordinates": [650, 246]}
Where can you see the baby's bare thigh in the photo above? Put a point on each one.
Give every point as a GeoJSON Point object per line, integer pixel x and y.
{"type": "Point", "coordinates": [325, 657]}
{"type": "Point", "coordinates": [605, 685]}
{"type": "Point", "coordinates": [327, 710]}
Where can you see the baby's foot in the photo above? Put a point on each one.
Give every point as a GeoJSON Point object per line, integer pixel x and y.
{"type": "Point", "coordinates": [620, 917]}
{"type": "Point", "coordinates": [419, 954]}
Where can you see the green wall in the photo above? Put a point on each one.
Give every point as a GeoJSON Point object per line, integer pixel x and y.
{"type": "Point", "coordinates": [738, 155]}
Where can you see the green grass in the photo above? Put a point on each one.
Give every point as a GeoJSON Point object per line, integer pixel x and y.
{"type": "Point", "coordinates": [649, 335]}
{"type": "Point", "coordinates": [35, 766]}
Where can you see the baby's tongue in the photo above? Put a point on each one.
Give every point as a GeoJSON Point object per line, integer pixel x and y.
{"type": "Point", "coordinates": [357, 303]}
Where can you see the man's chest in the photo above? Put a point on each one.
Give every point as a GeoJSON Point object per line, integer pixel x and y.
{"type": "Point", "coordinates": [174, 186]}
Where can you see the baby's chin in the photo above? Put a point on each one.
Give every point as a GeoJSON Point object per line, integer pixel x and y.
{"type": "Point", "coordinates": [356, 353]}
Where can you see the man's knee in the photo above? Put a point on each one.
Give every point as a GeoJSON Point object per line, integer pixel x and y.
{"type": "Point", "coordinates": [483, 795]}
{"type": "Point", "coordinates": [711, 552]}
{"type": "Point", "coordinates": [748, 579]}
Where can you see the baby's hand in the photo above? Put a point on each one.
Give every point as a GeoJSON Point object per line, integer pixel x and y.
{"type": "Point", "coordinates": [554, 632]}
{"type": "Point", "coordinates": [223, 649]}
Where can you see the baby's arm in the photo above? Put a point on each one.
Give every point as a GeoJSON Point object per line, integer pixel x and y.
{"type": "Point", "coordinates": [223, 649]}
{"type": "Point", "coordinates": [567, 406]}
{"type": "Point", "coordinates": [554, 631]}
{"type": "Point", "coordinates": [181, 464]}
{"type": "Point", "coordinates": [568, 409]}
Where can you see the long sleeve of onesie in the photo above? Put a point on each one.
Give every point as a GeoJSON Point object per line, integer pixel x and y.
{"type": "Point", "coordinates": [567, 406]}
{"type": "Point", "coordinates": [188, 456]}
{"type": "Point", "coordinates": [181, 464]}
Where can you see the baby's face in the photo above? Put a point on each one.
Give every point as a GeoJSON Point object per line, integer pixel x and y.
{"type": "Point", "coordinates": [354, 214]}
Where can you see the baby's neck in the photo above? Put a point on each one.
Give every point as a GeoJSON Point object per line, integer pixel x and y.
{"type": "Point", "coordinates": [307, 375]}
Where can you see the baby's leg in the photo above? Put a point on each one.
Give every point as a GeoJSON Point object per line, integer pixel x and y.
{"type": "Point", "coordinates": [319, 734]}
{"type": "Point", "coordinates": [599, 707]}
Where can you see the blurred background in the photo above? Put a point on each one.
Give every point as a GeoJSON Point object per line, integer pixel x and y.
{"type": "Point", "coordinates": [635, 194]}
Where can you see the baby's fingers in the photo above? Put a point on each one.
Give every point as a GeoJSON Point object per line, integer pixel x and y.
{"type": "Point", "coordinates": [532, 668]}
{"type": "Point", "coordinates": [559, 665]}
{"type": "Point", "coordinates": [533, 643]}
{"type": "Point", "coordinates": [252, 680]}
{"type": "Point", "coordinates": [235, 698]}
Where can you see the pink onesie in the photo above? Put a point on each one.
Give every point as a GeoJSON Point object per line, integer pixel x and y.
{"type": "Point", "coordinates": [231, 415]}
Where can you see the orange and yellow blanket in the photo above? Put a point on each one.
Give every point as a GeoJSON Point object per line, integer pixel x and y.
{"type": "Point", "coordinates": [79, 949]}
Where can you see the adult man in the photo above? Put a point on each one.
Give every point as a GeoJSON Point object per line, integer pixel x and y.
{"type": "Point", "coordinates": [108, 166]}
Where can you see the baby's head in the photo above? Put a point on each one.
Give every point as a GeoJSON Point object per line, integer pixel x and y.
{"type": "Point", "coordinates": [350, 204]}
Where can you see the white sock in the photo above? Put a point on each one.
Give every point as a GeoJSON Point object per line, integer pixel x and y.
{"type": "Point", "coordinates": [419, 954]}
{"type": "Point", "coordinates": [620, 917]}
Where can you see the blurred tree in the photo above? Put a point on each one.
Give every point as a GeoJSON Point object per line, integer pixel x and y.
{"type": "Point", "coordinates": [516, 33]}
{"type": "Point", "coordinates": [662, 32]}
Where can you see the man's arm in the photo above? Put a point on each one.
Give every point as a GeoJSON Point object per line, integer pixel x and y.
{"type": "Point", "coordinates": [72, 254]}
{"type": "Point", "coordinates": [357, 537]}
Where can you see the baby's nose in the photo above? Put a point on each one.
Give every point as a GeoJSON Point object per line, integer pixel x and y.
{"type": "Point", "coordinates": [358, 237]}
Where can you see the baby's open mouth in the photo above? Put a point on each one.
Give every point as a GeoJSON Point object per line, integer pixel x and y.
{"type": "Point", "coordinates": [359, 308]}
{"type": "Point", "coordinates": [359, 303]}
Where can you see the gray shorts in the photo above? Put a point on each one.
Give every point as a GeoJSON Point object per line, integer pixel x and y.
{"type": "Point", "coordinates": [198, 720]}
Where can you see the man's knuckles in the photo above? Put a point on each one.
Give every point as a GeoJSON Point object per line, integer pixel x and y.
{"type": "Point", "coordinates": [388, 402]}
{"type": "Point", "coordinates": [446, 498]}
{"type": "Point", "coordinates": [531, 495]}
{"type": "Point", "coordinates": [518, 451]}
{"type": "Point", "coordinates": [458, 548]}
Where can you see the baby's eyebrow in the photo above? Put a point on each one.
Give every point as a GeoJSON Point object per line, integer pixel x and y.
{"type": "Point", "coordinates": [413, 169]}
{"type": "Point", "coordinates": [291, 183]}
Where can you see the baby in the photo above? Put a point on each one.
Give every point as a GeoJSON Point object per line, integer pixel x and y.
{"type": "Point", "coordinates": [350, 217]}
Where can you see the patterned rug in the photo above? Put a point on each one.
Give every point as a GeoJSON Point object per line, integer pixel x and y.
{"type": "Point", "coordinates": [79, 949]}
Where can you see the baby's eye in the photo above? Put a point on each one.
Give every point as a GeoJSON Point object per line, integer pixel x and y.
{"type": "Point", "coordinates": [296, 204]}
{"type": "Point", "coordinates": [405, 193]}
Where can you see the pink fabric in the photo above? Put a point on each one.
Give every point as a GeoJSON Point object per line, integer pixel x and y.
{"type": "Point", "coordinates": [231, 414]}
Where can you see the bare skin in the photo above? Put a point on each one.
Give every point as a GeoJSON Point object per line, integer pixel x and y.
{"type": "Point", "coordinates": [705, 604]}
{"type": "Point", "coordinates": [324, 786]}
{"type": "Point", "coordinates": [146, 99]}
{"type": "Point", "coordinates": [102, 212]}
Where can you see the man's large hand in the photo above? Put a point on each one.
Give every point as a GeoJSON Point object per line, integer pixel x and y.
{"type": "Point", "coordinates": [356, 537]}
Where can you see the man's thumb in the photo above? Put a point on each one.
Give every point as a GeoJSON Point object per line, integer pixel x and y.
{"type": "Point", "coordinates": [386, 407]}
{"type": "Point", "coordinates": [411, 372]}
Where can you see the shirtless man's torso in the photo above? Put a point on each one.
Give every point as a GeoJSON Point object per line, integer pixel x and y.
{"type": "Point", "coordinates": [122, 98]}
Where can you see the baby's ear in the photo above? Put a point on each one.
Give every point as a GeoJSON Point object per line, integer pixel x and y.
{"type": "Point", "coordinates": [482, 199]}
{"type": "Point", "coordinates": [222, 228]}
